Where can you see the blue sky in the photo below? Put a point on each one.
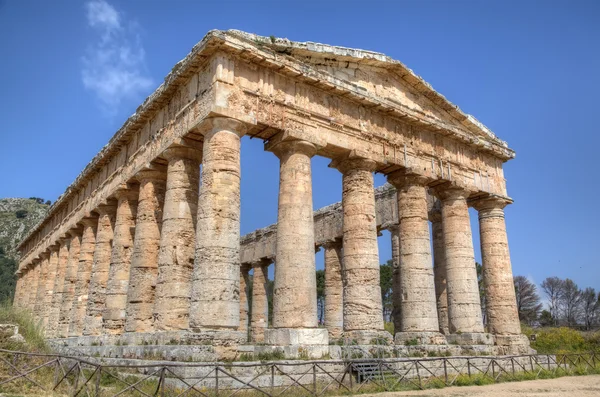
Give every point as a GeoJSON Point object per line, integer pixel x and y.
{"type": "Point", "coordinates": [73, 71]}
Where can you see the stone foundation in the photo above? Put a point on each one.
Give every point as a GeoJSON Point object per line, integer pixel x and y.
{"type": "Point", "coordinates": [419, 338]}
{"type": "Point", "coordinates": [470, 338]}
{"type": "Point", "coordinates": [296, 336]}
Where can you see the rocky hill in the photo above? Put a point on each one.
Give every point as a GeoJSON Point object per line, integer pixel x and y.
{"type": "Point", "coordinates": [17, 217]}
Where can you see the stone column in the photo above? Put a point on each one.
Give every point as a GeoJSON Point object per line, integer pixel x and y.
{"type": "Point", "coordinates": [396, 289]}
{"type": "Point", "coordinates": [33, 286]}
{"type": "Point", "coordinates": [57, 297]}
{"type": "Point", "coordinates": [418, 313]}
{"type": "Point", "coordinates": [439, 270]}
{"type": "Point", "coordinates": [68, 294]}
{"type": "Point", "coordinates": [465, 321]}
{"type": "Point", "coordinates": [295, 293]}
{"type": "Point", "coordinates": [84, 273]}
{"type": "Point", "coordinates": [50, 281]}
{"type": "Point", "coordinates": [244, 298]}
{"type": "Point", "coordinates": [178, 239]}
{"type": "Point", "coordinates": [18, 288]}
{"type": "Point", "coordinates": [334, 289]}
{"type": "Point", "coordinates": [216, 280]}
{"type": "Point", "coordinates": [260, 301]}
{"type": "Point", "coordinates": [363, 308]}
{"type": "Point", "coordinates": [100, 269]}
{"type": "Point", "coordinates": [144, 260]}
{"type": "Point", "coordinates": [40, 297]}
{"type": "Point", "coordinates": [113, 318]}
{"type": "Point", "coordinates": [501, 302]}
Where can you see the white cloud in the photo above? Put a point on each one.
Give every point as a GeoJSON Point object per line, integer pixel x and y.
{"type": "Point", "coordinates": [114, 67]}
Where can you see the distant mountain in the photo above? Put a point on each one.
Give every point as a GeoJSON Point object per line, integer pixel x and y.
{"type": "Point", "coordinates": [17, 217]}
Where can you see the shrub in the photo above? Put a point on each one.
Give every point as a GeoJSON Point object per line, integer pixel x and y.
{"type": "Point", "coordinates": [559, 340]}
{"type": "Point", "coordinates": [28, 328]}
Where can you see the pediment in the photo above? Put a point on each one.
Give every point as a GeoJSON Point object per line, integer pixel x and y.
{"type": "Point", "coordinates": [376, 75]}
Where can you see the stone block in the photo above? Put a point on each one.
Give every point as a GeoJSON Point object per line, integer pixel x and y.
{"type": "Point", "coordinates": [296, 336]}
{"type": "Point", "coordinates": [471, 338]}
{"type": "Point", "coordinates": [421, 338]}
{"type": "Point", "coordinates": [368, 337]}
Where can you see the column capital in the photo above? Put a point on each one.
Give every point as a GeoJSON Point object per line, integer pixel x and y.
{"type": "Point", "coordinates": [282, 148]}
{"type": "Point", "coordinates": [75, 232]}
{"type": "Point", "coordinates": [127, 191]}
{"type": "Point", "coordinates": [106, 209]}
{"type": "Point", "coordinates": [259, 263]}
{"type": "Point", "coordinates": [333, 243]}
{"type": "Point", "coordinates": [45, 255]}
{"type": "Point", "coordinates": [217, 124]}
{"type": "Point", "coordinates": [152, 173]}
{"type": "Point", "coordinates": [177, 152]}
{"type": "Point", "coordinates": [407, 177]}
{"type": "Point", "coordinates": [452, 191]}
{"type": "Point", "coordinates": [353, 161]}
{"type": "Point", "coordinates": [88, 221]}
{"type": "Point", "coordinates": [490, 203]}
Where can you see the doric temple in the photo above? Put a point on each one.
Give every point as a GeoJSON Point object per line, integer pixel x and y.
{"type": "Point", "coordinates": [146, 242]}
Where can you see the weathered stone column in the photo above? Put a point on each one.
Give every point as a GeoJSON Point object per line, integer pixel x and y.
{"type": "Point", "coordinates": [84, 273]}
{"type": "Point", "coordinates": [144, 260]}
{"type": "Point", "coordinates": [396, 288]}
{"type": "Point", "coordinates": [18, 288]}
{"type": "Point", "coordinates": [501, 302]}
{"type": "Point", "coordinates": [295, 292]}
{"type": "Point", "coordinates": [244, 298]}
{"type": "Point", "coordinates": [260, 301]}
{"type": "Point", "coordinates": [418, 314]}
{"type": "Point", "coordinates": [216, 280]}
{"type": "Point", "coordinates": [40, 298]}
{"type": "Point", "coordinates": [50, 281]}
{"type": "Point", "coordinates": [178, 239]}
{"type": "Point", "coordinates": [363, 308]}
{"type": "Point", "coordinates": [100, 269]}
{"type": "Point", "coordinates": [33, 286]}
{"type": "Point", "coordinates": [334, 289]}
{"type": "Point", "coordinates": [68, 294]}
{"type": "Point", "coordinates": [113, 318]}
{"type": "Point", "coordinates": [464, 308]}
{"type": "Point", "coordinates": [439, 270]}
{"type": "Point", "coordinates": [57, 297]}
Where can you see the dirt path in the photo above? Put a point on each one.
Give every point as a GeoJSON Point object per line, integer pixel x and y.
{"type": "Point", "coordinates": [577, 386]}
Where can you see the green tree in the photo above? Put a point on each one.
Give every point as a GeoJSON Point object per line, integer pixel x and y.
{"type": "Point", "coordinates": [8, 266]}
{"type": "Point", "coordinates": [386, 272]}
{"type": "Point", "coordinates": [528, 300]}
{"type": "Point", "coordinates": [321, 295]}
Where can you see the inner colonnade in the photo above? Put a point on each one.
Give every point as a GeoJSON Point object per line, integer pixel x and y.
{"type": "Point", "coordinates": [147, 239]}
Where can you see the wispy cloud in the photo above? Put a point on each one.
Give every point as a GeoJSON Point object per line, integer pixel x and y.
{"type": "Point", "coordinates": [114, 67]}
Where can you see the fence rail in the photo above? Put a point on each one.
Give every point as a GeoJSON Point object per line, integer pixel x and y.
{"type": "Point", "coordinates": [76, 376]}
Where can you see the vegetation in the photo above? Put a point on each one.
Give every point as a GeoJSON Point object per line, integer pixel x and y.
{"type": "Point", "coordinates": [28, 328]}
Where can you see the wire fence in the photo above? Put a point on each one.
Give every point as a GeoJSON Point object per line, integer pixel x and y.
{"type": "Point", "coordinates": [75, 376]}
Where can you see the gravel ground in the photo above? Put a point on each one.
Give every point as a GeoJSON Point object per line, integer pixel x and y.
{"type": "Point", "coordinates": [577, 386]}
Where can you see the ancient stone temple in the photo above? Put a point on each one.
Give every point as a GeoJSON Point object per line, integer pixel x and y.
{"type": "Point", "coordinates": [145, 244]}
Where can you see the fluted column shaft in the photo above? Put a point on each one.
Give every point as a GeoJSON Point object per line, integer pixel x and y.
{"type": "Point", "coordinates": [57, 297]}
{"type": "Point", "coordinates": [144, 261]}
{"type": "Point", "coordinates": [68, 294]}
{"type": "Point", "coordinates": [40, 298]}
{"type": "Point", "coordinates": [363, 308]}
{"type": "Point", "coordinates": [18, 289]}
{"type": "Point", "coordinates": [100, 269]}
{"type": "Point", "coordinates": [439, 272]}
{"type": "Point", "coordinates": [417, 289]}
{"type": "Point", "coordinates": [260, 303]}
{"type": "Point", "coordinates": [334, 289]}
{"type": "Point", "coordinates": [501, 302]}
{"type": "Point", "coordinates": [33, 286]}
{"type": "Point", "coordinates": [396, 277]}
{"type": "Point", "coordinates": [50, 281]}
{"type": "Point", "coordinates": [113, 318]}
{"type": "Point", "coordinates": [464, 307]}
{"type": "Point", "coordinates": [84, 273]}
{"type": "Point", "coordinates": [244, 298]}
{"type": "Point", "coordinates": [178, 239]}
{"type": "Point", "coordinates": [295, 297]}
{"type": "Point", "coordinates": [216, 279]}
